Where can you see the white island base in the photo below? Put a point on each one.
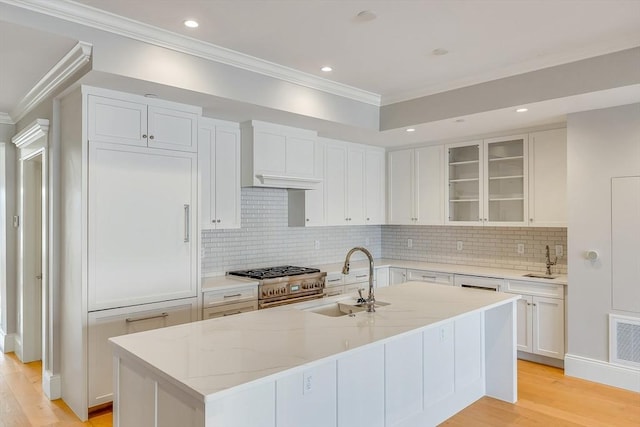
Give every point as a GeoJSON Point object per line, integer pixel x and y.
{"type": "Point", "coordinates": [430, 353]}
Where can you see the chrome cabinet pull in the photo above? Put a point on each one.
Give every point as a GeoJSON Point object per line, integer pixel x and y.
{"type": "Point", "coordinates": [429, 277]}
{"type": "Point", "coordinates": [138, 319]}
{"type": "Point", "coordinates": [187, 227]}
{"type": "Point", "coordinates": [231, 314]}
{"type": "Point", "coordinates": [144, 136]}
{"type": "Point", "coordinates": [361, 276]}
{"type": "Point", "coordinates": [232, 296]}
{"type": "Point", "coordinates": [150, 136]}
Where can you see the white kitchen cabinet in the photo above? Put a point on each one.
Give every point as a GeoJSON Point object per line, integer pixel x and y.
{"type": "Point", "coordinates": [344, 175]}
{"type": "Point", "coordinates": [227, 302]}
{"type": "Point", "coordinates": [374, 185]}
{"type": "Point", "coordinates": [361, 388]}
{"type": "Point", "coordinates": [105, 324]}
{"type": "Point", "coordinates": [381, 277]}
{"type": "Point", "coordinates": [307, 207]}
{"type": "Point", "coordinates": [307, 398]}
{"type": "Point", "coordinates": [397, 275]}
{"type": "Point", "coordinates": [548, 178]}
{"type": "Point", "coordinates": [219, 170]}
{"type": "Point", "coordinates": [278, 156]}
{"type": "Point", "coordinates": [430, 277]}
{"type": "Point", "coordinates": [134, 120]}
{"type": "Point", "coordinates": [142, 236]}
{"type": "Point", "coordinates": [487, 182]}
{"type": "Point", "coordinates": [416, 186]}
{"type": "Point", "coordinates": [541, 326]}
{"type": "Point", "coordinates": [439, 369]}
{"type": "Point", "coordinates": [403, 383]}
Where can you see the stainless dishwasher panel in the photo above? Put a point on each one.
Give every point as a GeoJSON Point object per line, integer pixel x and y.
{"type": "Point", "coordinates": [475, 282]}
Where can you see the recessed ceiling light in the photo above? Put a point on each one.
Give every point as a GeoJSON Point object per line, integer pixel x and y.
{"type": "Point", "coordinates": [190, 23]}
{"type": "Point", "coordinates": [411, 130]}
{"type": "Point", "coordinates": [522, 110]}
{"type": "Point", "coordinates": [365, 15]}
{"type": "Point", "coordinates": [326, 69]}
{"type": "Point", "coordinates": [439, 51]}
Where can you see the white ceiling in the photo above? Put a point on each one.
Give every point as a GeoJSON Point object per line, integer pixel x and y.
{"type": "Point", "coordinates": [390, 56]}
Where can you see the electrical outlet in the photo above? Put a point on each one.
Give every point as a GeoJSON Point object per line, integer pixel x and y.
{"type": "Point", "coordinates": [307, 385]}
{"type": "Point", "coordinates": [316, 244]}
{"type": "Point", "coordinates": [521, 248]}
{"type": "Point", "coordinates": [409, 243]}
{"type": "Point", "coordinates": [559, 251]}
{"type": "Point", "coordinates": [459, 245]}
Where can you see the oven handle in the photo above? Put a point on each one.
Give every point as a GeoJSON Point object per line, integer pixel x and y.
{"type": "Point", "coordinates": [289, 301]}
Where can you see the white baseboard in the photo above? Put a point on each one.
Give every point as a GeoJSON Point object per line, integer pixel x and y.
{"type": "Point", "coordinates": [602, 372]}
{"type": "Point", "coordinates": [7, 342]}
{"type": "Point", "coordinates": [51, 385]}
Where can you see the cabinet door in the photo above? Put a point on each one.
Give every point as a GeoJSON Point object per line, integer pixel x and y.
{"type": "Point", "coordinates": [307, 398]}
{"type": "Point", "coordinates": [429, 181]}
{"type": "Point", "coordinates": [401, 188]}
{"type": "Point", "coordinates": [382, 277]}
{"type": "Point", "coordinates": [548, 327]}
{"type": "Point", "coordinates": [505, 184]}
{"type": "Point", "coordinates": [314, 200]}
{"type": "Point", "coordinates": [548, 178]}
{"type": "Point", "coordinates": [397, 275]}
{"type": "Point", "coordinates": [524, 310]}
{"type": "Point", "coordinates": [361, 388]}
{"type": "Point", "coordinates": [141, 225]}
{"type": "Point", "coordinates": [116, 121]}
{"type": "Point", "coordinates": [403, 363]}
{"type": "Point", "coordinates": [335, 181]}
{"type": "Point", "coordinates": [356, 185]}
{"type": "Point", "coordinates": [226, 176]}
{"type": "Point", "coordinates": [464, 174]}
{"type": "Point", "coordinates": [172, 129]}
{"type": "Point", "coordinates": [438, 352]}
{"type": "Point", "coordinates": [375, 177]}
{"type": "Point", "coordinates": [105, 324]}
{"type": "Point", "coordinates": [468, 358]}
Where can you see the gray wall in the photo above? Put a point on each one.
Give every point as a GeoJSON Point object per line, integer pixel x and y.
{"type": "Point", "coordinates": [601, 144]}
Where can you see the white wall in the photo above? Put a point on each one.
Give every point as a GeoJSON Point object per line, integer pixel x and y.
{"type": "Point", "coordinates": [7, 239]}
{"type": "Point", "coordinates": [601, 144]}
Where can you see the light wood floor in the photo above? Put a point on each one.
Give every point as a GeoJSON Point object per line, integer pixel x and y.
{"type": "Point", "coordinates": [545, 398]}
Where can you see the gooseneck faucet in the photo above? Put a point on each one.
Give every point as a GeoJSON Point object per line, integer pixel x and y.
{"type": "Point", "coordinates": [371, 300]}
{"type": "Point", "coordinates": [549, 262]}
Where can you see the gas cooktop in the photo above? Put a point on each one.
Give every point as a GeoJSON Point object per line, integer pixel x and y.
{"type": "Point", "coordinates": [274, 272]}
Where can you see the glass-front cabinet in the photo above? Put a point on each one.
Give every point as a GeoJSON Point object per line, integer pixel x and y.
{"type": "Point", "coordinates": [487, 182]}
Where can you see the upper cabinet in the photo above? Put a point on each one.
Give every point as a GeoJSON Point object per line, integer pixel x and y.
{"type": "Point", "coordinates": [354, 184]}
{"type": "Point", "coordinates": [135, 120]}
{"type": "Point", "coordinates": [416, 186]}
{"type": "Point", "coordinates": [307, 207]}
{"type": "Point", "coordinates": [219, 169]}
{"type": "Point", "coordinates": [548, 178]}
{"type": "Point", "coordinates": [278, 156]}
{"type": "Point", "coordinates": [487, 182]}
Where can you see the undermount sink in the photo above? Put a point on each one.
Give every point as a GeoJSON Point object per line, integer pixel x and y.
{"type": "Point", "coordinates": [540, 276]}
{"type": "Point", "coordinates": [342, 308]}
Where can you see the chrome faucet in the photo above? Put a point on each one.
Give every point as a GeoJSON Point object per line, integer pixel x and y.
{"type": "Point", "coordinates": [549, 262]}
{"type": "Point", "coordinates": [371, 300]}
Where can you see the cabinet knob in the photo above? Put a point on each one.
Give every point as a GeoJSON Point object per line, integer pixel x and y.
{"type": "Point", "coordinates": [150, 136]}
{"type": "Point", "coordinates": [144, 136]}
{"type": "Point", "coordinates": [307, 220]}
{"type": "Point", "coordinates": [530, 219]}
{"type": "Point", "coordinates": [368, 219]}
{"type": "Point", "coordinates": [485, 219]}
{"type": "Point", "coordinates": [217, 220]}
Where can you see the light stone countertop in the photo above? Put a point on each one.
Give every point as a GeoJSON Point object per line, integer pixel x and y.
{"type": "Point", "coordinates": [472, 270]}
{"type": "Point", "coordinates": [210, 358]}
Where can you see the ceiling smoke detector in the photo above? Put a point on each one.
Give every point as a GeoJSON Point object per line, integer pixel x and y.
{"type": "Point", "coordinates": [365, 16]}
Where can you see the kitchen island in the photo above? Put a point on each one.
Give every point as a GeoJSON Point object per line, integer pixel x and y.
{"type": "Point", "coordinates": [430, 352]}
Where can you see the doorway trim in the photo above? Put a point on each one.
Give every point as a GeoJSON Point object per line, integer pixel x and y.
{"type": "Point", "coordinates": [31, 143]}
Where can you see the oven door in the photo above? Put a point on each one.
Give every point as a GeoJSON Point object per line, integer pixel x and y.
{"type": "Point", "coordinates": [271, 303]}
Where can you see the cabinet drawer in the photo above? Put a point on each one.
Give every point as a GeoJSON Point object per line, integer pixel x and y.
{"type": "Point", "coordinates": [334, 279]}
{"type": "Point", "coordinates": [229, 309]}
{"type": "Point", "coordinates": [535, 288]}
{"type": "Point", "coordinates": [353, 287]}
{"type": "Point", "coordinates": [333, 291]}
{"type": "Point", "coordinates": [430, 277]}
{"type": "Point", "coordinates": [356, 276]}
{"type": "Point", "coordinates": [105, 324]}
{"type": "Point", "coordinates": [213, 298]}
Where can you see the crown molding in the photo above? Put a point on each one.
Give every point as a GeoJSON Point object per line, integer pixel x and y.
{"type": "Point", "coordinates": [36, 130]}
{"type": "Point", "coordinates": [5, 119]}
{"type": "Point", "coordinates": [75, 59]}
{"type": "Point", "coordinates": [115, 24]}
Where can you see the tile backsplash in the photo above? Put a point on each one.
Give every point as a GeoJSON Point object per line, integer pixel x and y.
{"type": "Point", "coordinates": [265, 239]}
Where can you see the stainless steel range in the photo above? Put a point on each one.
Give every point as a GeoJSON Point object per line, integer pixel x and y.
{"type": "Point", "coordinates": [285, 284]}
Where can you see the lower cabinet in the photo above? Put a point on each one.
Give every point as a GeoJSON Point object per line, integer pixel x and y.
{"type": "Point", "coordinates": [397, 275]}
{"type": "Point", "coordinates": [540, 318]}
{"type": "Point", "coordinates": [227, 302]}
{"type": "Point", "coordinates": [122, 321]}
{"type": "Point", "coordinates": [430, 277]}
